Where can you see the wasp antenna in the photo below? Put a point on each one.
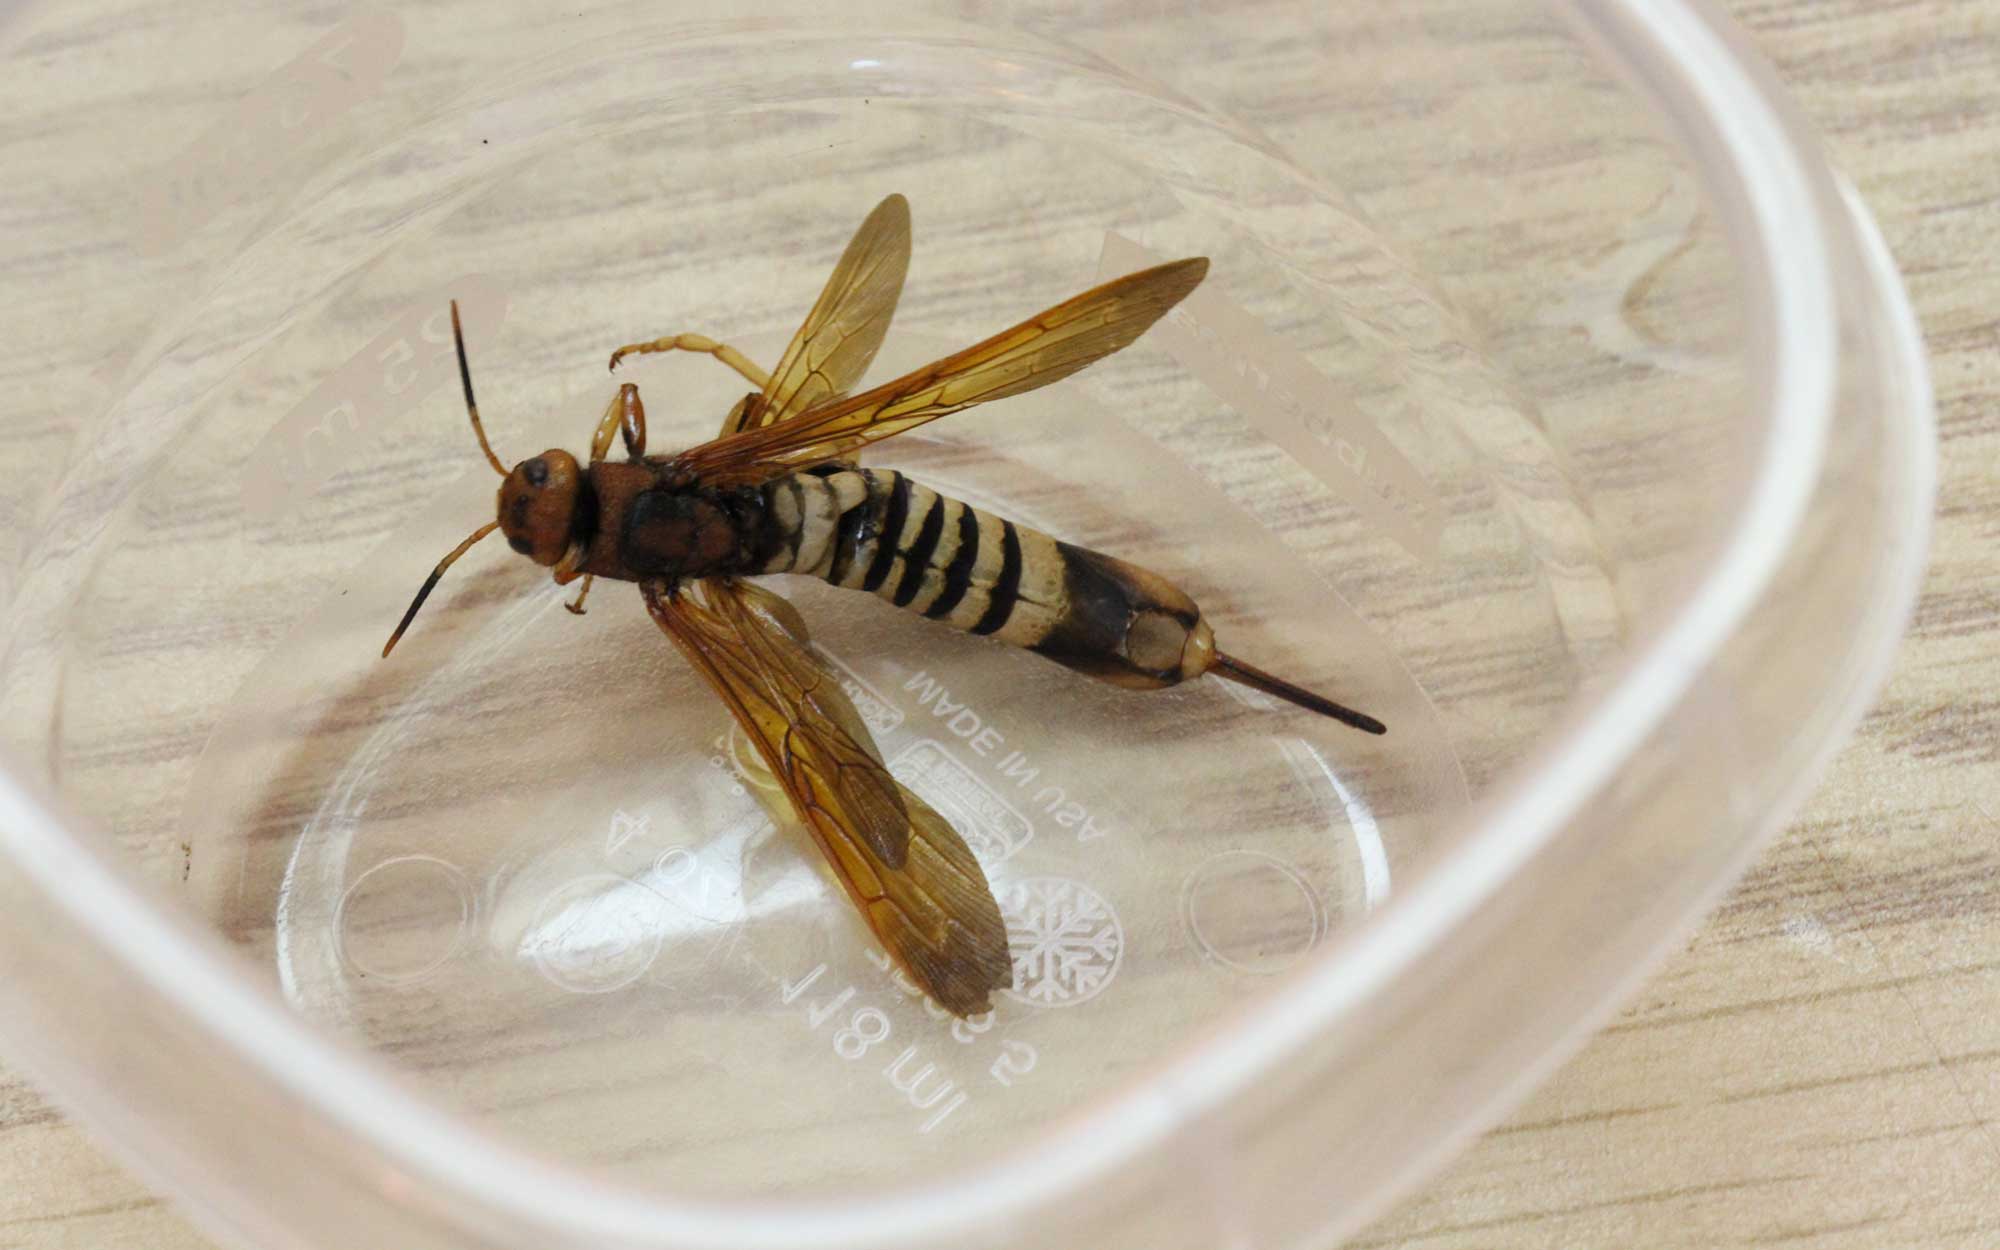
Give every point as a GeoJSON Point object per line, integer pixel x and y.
{"type": "Point", "coordinates": [1257, 679]}
{"type": "Point", "coordinates": [432, 581]}
{"type": "Point", "coordinates": [471, 408]}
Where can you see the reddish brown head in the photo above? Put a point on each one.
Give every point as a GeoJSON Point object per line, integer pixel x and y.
{"type": "Point", "coordinates": [538, 506]}
{"type": "Point", "coordinates": [544, 507]}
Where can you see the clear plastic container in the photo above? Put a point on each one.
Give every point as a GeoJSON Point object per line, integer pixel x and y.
{"type": "Point", "coordinates": [1548, 397]}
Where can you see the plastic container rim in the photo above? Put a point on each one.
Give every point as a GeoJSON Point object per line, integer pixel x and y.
{"type": "Point", "coordinates": [1775, 232]}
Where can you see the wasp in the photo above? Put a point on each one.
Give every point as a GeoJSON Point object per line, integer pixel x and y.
{"type": "Point", "coordinates": [779, 490]}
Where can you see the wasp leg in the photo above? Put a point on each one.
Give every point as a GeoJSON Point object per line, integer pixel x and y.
{"type": "Point", "coordinates": [738, 417]}
{"type": "Point", "coordinates": [567, 570]}
{"type": "Point", "coordinates": [697, 343]}
{"type": "Point", "coordinates": [626, 414]}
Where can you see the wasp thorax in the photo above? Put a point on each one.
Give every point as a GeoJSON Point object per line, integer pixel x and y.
{"type": "Point", "coordinates": [538, 505]}
{"type": "Point", "coordinates": [681, 534]}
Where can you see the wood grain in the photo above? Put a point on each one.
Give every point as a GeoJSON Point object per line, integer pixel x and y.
{"type": "Point", "coordinates": [1819, 1068]}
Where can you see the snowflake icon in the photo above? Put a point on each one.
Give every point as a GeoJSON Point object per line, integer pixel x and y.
{"type": "Point", "coordinates": [1066, 940]}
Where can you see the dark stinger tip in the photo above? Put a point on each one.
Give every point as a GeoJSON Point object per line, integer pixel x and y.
{"type": "Point", "coordinates": [1257, 679]}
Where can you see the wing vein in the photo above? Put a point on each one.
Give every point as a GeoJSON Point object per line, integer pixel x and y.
{"type": "Point", "coordinates": [1045, 348]}
{"type": "Point", "coordinates": [912, 876]}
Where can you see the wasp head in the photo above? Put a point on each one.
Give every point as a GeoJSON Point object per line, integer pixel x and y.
{"type": "Point", "coordinates": [539, 510]}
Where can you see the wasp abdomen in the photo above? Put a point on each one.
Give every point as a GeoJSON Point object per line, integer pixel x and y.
{"type": "Point", "coordinates": [881, 531]}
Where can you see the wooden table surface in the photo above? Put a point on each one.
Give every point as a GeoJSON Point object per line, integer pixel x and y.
{"type": "Point", "coordinates": [1820, 1066]}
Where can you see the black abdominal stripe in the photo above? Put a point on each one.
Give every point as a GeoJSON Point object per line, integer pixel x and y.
{"type": "Point", "coordinates": [879, 531]}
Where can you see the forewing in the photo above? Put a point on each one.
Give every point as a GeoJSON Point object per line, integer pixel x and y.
{"type": "Point", "coordinates": [1046, 347]}
{"type": "Point", "coordinates": [845, 328]}
{"type": "Point", "coordinates": [809, 732]}
{"type": "Point", "coordinates": [940, 919]}
{"type": "Point", "coordinates": [928, 902]}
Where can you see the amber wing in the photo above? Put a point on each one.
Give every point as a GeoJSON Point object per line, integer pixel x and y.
{"type": "Point", "coordinates": [905, 867]}
{"type": "Point", "coordinates": [845, 328]}
{"type": "Point", "coordinates": [1046, 347]}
